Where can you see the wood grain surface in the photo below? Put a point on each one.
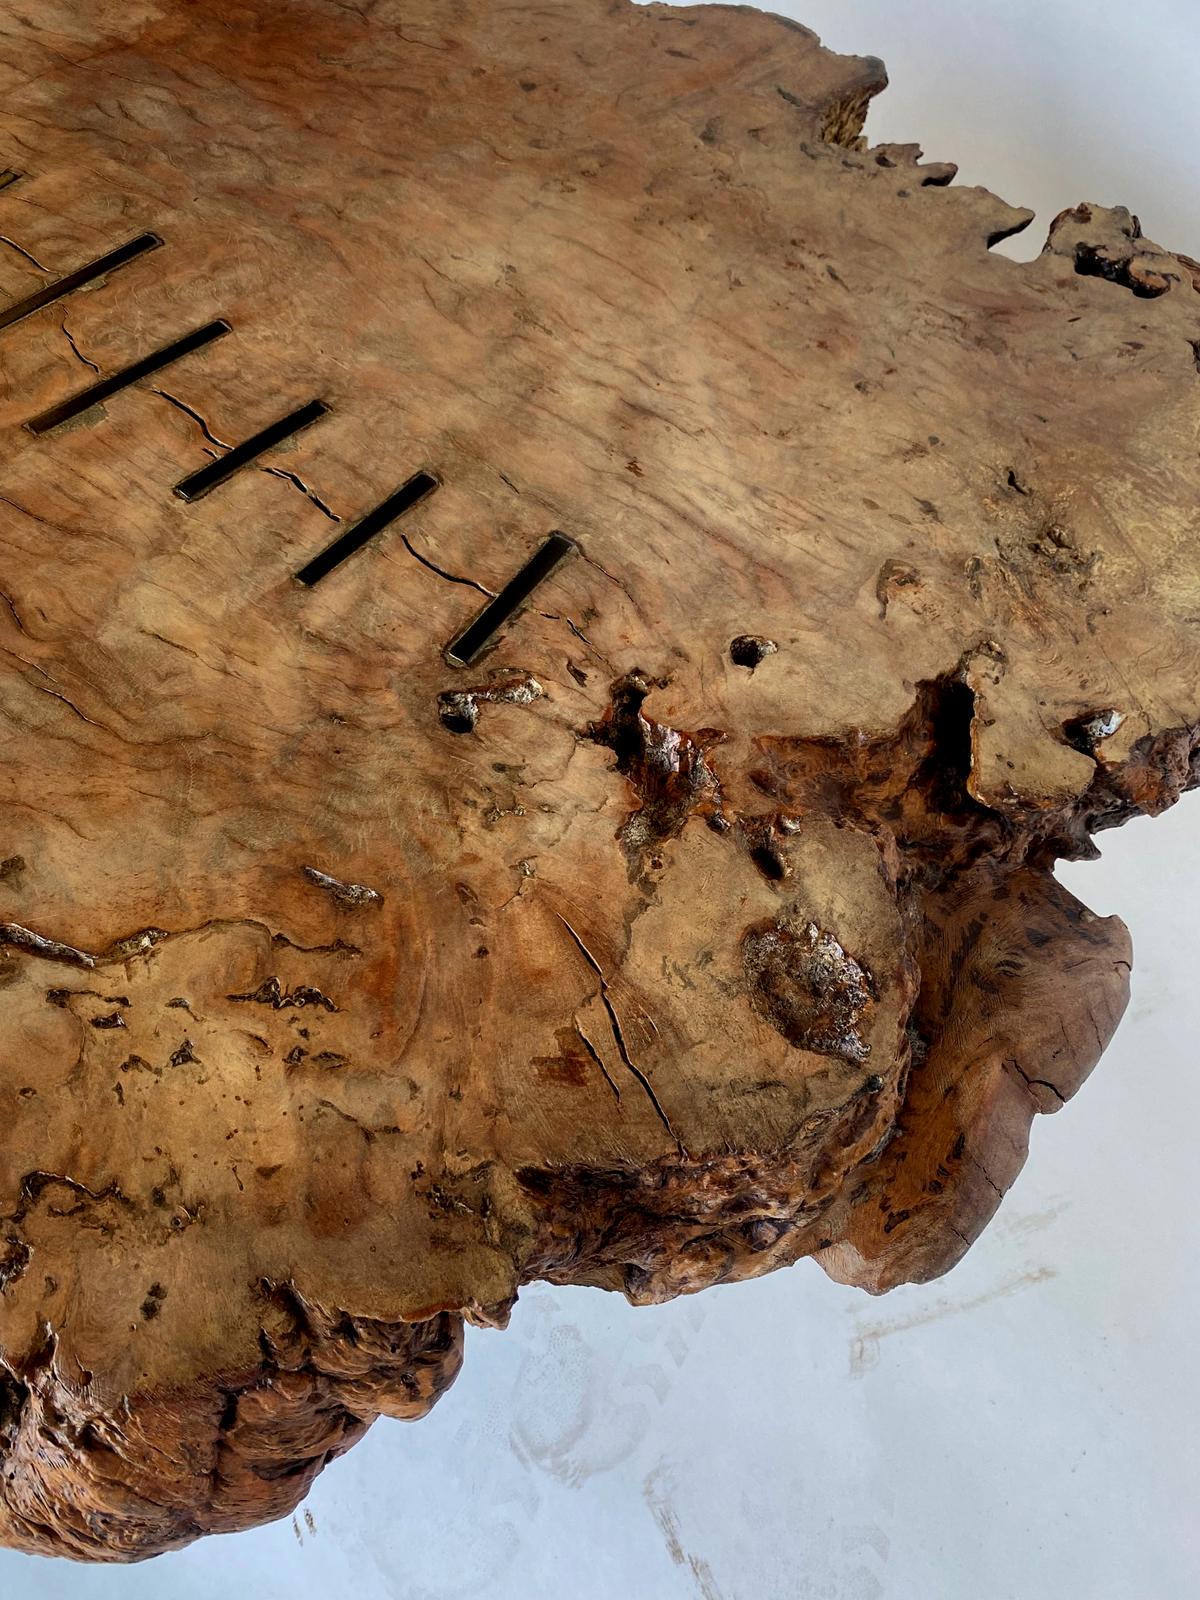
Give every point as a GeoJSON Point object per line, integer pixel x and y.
{"type": "Point", "coordinates": [696, 913]}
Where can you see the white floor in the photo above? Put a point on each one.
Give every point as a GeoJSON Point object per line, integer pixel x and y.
{"type": "Point", "coordinates": [1026, 1429]}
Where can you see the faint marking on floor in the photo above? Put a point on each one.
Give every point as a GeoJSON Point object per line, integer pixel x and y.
{"type": "Point", "coordinates": [1019, 1225]}
{"type": "Point", "coordinates": [656, 1497]}
{"type": "Point", "coordinates": [864, 1347]}
{"type": "Point", "coordinates": [576, 1411]}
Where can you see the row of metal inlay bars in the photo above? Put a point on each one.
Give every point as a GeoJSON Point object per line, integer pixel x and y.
{"type": "Point", "coordinates": [466, 646]}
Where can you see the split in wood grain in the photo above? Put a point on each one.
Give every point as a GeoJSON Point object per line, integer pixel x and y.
{"type": "Point", "coordinates": [211, 476]}
{"type": "Point", "coordinates": [418, 488]}
{"type": "Point", "coordinates": [80, 279]}
{"type": "Point", "coordinates": [475, 638]}
{"type": "Point", "coordinates": [96, 393]}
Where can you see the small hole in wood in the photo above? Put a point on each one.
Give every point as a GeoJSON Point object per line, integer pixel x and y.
{"type": "Point", "coordinates": [769, 862]}
{"type": "Point", "coordinates": [80, 279]}
{"type": "Point", "coordinates": [458, 712]}
{"type": "Point", "coordinates": [106, 387]}
{"type": "Point", "coordinates": [1086, 733]}
{"type": "Point", "coordinates": [750, 650]}
{"type": "Point", "coordinates": [385, 513]}
{"type": "Point", "coordinates": [473, 639]}
{"type": "Point", "coordinates": [216, 472]}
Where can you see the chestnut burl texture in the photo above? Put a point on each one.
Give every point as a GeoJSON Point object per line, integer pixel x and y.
{"type": "Point", "coordinates": [705, 918]}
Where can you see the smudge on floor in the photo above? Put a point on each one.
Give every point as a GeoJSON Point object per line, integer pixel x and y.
{"type": "Point", "coordinates": [864, 1347]}
{"type": "Point", "coordinates": [657, 1497]}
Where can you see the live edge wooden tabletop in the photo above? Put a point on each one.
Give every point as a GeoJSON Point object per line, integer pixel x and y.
{"type": "Point", "coordinates": [370, 948]}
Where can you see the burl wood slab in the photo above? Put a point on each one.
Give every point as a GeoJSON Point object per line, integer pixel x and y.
{"type": "Point", "coordinates": [692, 913]}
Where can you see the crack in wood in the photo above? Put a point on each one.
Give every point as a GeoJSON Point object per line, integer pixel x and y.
{"type": "Point", "coordinates": [374, 522]}
{"type": "Point", "coordinates": [82, 278]}
{"type": "Point", "coordinates": [596, 1057]}
{"type": "Point", "coordinates": [21, 938]}
{"type": "Point", "coordinates": [181, 405]}
{"type": "Point", "coordinates": [76, 405]}
{"type": "Point", "coordinates": [441, 572]}
{"type": "Point", "coordinates": [478, 634]}
{"type": "Point", "coordinates": [347, 894]}
{"type": "Point", "coordinates": [205, 479]}
{"type": "Point", "coordinates": [76, 351]}
{"type": "Point", "coordinates": [618, 1036]}
{"type": "Point", "coordinates": [21, 251]}
{"type": "Point", "coordinates": [298, 482]}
